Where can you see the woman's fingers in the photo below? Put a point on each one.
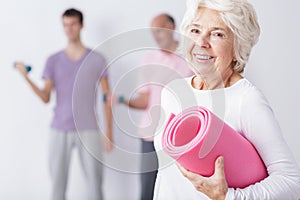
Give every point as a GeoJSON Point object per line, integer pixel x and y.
{"type": "Point", "coordinates": [214, 186]}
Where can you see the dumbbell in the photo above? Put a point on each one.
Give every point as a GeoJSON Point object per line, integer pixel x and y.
{"type": "Point", "coordinates": [28, 68]}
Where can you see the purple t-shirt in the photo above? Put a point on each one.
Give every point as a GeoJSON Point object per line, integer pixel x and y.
{"type": "Point", "coordinates": [75, 83]}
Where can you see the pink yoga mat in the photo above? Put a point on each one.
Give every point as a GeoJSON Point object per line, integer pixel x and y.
{"type": "Point", "coordinates": [196, 137]}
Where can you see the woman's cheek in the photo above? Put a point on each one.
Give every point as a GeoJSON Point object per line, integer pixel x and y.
{"type": "Point", "coordinates": [188, 48]}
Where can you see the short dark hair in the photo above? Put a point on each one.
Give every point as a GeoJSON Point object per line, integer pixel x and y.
{"type": "Point", "coordinates": [170, 19]}
{"type": "Point", "coordinates": [72, 12]}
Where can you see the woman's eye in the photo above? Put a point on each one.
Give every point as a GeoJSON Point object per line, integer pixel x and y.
{"type": "Point", "coordinates": [193, 30]}
{"type": "Point", "coordinates": [217, 34]}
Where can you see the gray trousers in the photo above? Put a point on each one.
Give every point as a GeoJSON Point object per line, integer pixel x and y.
{"type": "Point", "coordinates": [149, 167]}
{"type": "Point", "coordinates": [62, 143]}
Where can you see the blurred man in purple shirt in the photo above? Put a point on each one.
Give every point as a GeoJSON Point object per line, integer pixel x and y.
{"type": "Point", "coordinates": [60, 74]}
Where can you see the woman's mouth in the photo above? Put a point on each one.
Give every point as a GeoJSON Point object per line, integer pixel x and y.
{"type": "Point", "coordinates": [203, 58]}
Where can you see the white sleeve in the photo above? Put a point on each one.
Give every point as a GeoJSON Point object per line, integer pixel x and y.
{"type": "Point", "coordinates": [260, 127]}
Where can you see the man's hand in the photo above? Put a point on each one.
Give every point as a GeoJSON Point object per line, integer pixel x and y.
{"type": "Point", "coordinates": [21, 67]}
{"type": "Point", "coordinates": [108, 143]}
{"type": "Point", "coordinates": [112, 99]}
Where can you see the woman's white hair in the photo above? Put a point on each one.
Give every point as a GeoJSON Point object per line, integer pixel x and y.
{"type": "Point", "coordinates": [239, 16]}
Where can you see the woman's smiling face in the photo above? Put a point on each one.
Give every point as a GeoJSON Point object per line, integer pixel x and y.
{"type": "Point", "coordinates": [211, 47]}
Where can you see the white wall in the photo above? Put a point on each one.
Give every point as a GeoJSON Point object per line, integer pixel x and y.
{"type": "Point", "coordinates": [274, 65]}
{"type": "Point", "coordinates": [31, 30]}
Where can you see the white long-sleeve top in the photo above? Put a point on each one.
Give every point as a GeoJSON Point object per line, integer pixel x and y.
{"type": "Point", "coordinates": [244, 108]}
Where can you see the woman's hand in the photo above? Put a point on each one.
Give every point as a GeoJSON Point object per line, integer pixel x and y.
{"type": "Point", "coordinates": [215, 187]}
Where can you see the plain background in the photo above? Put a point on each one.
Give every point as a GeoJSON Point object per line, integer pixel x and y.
{"type": "Point", "coordinates": [31, 30]}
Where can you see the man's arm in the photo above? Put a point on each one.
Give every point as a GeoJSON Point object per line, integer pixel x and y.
{"type": "Point", "coordinates": [138, 102]}
{"type": "Point", "coordinates": [43, 93]}
{"type": "Point", "coordinates": [108, 113]}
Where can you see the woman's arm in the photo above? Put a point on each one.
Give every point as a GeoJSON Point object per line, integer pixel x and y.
{"type": "Point", "coordinates": [261, 128]}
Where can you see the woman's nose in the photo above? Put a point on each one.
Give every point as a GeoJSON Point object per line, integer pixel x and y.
{"type": "Point", "coordinates": [202, 41]}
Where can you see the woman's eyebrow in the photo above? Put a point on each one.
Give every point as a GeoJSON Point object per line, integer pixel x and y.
{"type": "Point", "coordinates": [211, 28]}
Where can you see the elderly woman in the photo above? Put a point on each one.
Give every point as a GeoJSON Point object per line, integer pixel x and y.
{"type": "Point", "coordinates": [222, 34]}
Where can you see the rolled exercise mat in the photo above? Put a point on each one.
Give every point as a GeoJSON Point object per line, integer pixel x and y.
{"type": "Point", "coordinates": [196, 137]}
